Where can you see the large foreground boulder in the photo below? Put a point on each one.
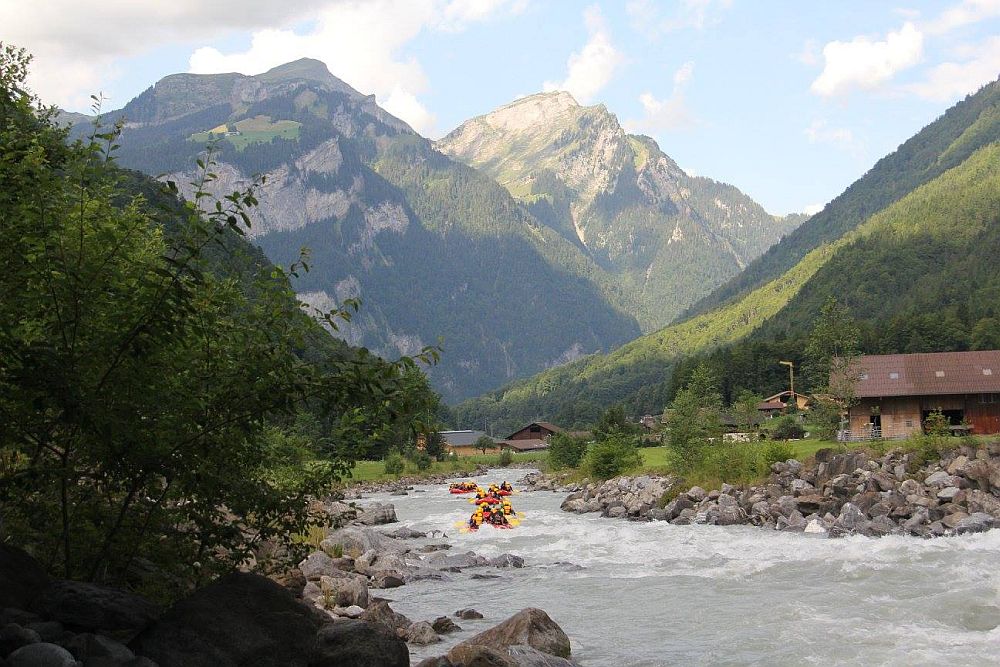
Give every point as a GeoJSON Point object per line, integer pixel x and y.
{"type": "Point", "coordinates": [357, 644]}
{"type": "Point", "coordinates": [82, 607]}
{"type": "Point", "coordinates": [21, 578]}
{"type": "Point", "coordinates": [356, 540]}
{"type": "Point", "coordinates": [241, 619]}
{"type": "Point", "coordinates": [530, 627]}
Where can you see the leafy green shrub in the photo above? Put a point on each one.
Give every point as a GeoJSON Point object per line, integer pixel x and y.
{"type": "Point", "coordinates": [937, 424]}
{"type": "Point", "coordinates": [787, 428]}
{"type": "Point", "coordinates": [422, 460]}
{"type": "Point", "coordinates": [337, 550]}
{"type": "Point", "coordinates": [775, 452]}
{"type": "Point", "coordinates": [506, 457]}
{"type": "Point", "coordinates": [565, 451]}
{"type": "Point", "coordinates": [394, 464]}
{"type": "Point", "coordinates": [612, 456]}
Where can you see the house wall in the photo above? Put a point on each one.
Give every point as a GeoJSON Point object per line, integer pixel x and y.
{"type": "Point", "coordinates": [982, 411]}
{"type": "Point", "coordinates": [902, 416]}
{"type": "Point", "coordinates": [472, 451]}
{"type": "Point", "coordinates": [527, 434]}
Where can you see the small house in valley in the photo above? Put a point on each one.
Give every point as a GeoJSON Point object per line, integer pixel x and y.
{"type": "Point", "coordinates": [896, 392]}
{"type": "Point", "coordinates": [463, 443]}
{"type": "Point", "coordinates": [782, 401]}
{"type": "Point", "coordinates": [535, 431]}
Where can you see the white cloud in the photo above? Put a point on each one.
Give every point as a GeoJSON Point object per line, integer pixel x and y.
{"type": "Point", "coordinates": [964, 13]}
{"type": "Point", "coordinates": [812, 209]}
{"type": "Point", "coordinates": [820, 132]}
{"type": "Point", "coordinates": [866, 63]}
{"type": "Point", "coordinates": [808, 55]}
{"type": "Point", "coordinates": [591, 68]}
{"type": "Point", "coordinates": [649, 19]}
{"type": "Point", "coordinates": [670, 113]}
{"type": "Point", "coordinates": [980, 65]}
{"type": "Point", "coordinates": [78, 44]}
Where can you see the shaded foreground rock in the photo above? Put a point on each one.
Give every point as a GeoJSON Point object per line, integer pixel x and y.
{"type": "Point", "coordinates": [357, 644]}
{"type": "Point", "coordinates": [21, 578]}
{"type": "Point", "coordinates": [531, 627]}
{"type": "Point", "coordinates": [92, 608]}
{"type": "Point", "coordinates": [241, 619]}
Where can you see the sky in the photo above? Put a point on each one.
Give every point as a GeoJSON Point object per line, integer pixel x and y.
{"type": "Point", "coordinates": [789, 101]}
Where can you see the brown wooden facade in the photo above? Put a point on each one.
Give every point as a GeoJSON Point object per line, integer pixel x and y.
{"type": "Point", "coordinates": [896, 393]}
{"type": "Point", "coordinates": [535, 431]}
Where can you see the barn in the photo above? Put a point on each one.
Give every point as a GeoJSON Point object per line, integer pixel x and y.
{"type": "Point", "coordinates": [896, 392]}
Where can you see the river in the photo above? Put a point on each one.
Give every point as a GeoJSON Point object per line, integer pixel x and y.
{"type": "Point", "coordinates": [652, 594]}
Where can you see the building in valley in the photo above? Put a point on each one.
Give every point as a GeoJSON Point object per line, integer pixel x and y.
{"type": "Point", "coordinates": [535, 431]}
{"type": "Point", "coordinates": [896, 392]}
{"type": "Point", "coordinates": [463, 443]}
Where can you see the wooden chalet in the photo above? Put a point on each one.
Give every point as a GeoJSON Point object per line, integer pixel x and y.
{"type": "Point", "coordinates": [523, 445]}
{"type": "Point", "coordinates": [463, 443]}
{"type": "Point", "coordinates": [535, 431]}
{"type": "Point", "coordinates": [896, 393]}
{"type": "Point", "coordinates": [783, 400]}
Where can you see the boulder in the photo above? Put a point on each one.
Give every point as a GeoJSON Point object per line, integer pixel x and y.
{"type": "Point", "coordinates": [507, 560]}
{"type": "Point", "coordinates": [696, 493]}
{"type": "Point", "coordinates": [356, 540]}
{"type": "Point", "coordinates": [387, 580]}
{"type": "Point", "coordinates": [91, 608]}
{"type": "Point", "coordinates": [404, 533]}
{"type": "Point", "coordinates": [951, 494]}
{"type": "Point", "coordinates": [21, 577]}
{"type": "Point", "coordinates": [240, 619]}
{"type": "Point", "coordinates": [343, 591]}
{"type": "Point", "coordinates": [467, 614]}
{"type": "Point", "coordinates": [952, 520]}
{"type": "Point", "coordinates": [470, 655]}
{"type": "Point", "coordinates": [530, 626]}
{"type": "Point", "coordinates": [444, 625]}
{"type": "Point", "coordinates": [354, 611]}
{"type": "Point", "coordinates": [317, 564]}
{"type": "Point", "coordinates": [41, 655]}
{"type": "Point", "coordinates": [975, 523]}
{"type": "Point", "coordinates": [86, 645]}
{"type": "Point", "coordinates": [526, 656]}
{"type": "Point", "coordinates": [356, 643]}
{"type": "Point", "coordinates": [439, 661]}
{"type": "Point", "coordinates": [422, 634]}
{"type": "Point", "coordinates": [14, 636]}
{"type": "Point", "coordinates": [377, 514]}
{"type": "Point", "coordinates": [939, 478]}
{"type": "Point", "coordinates": [851, 518]}
{"type": "Point", "coordinates": [380, 613]}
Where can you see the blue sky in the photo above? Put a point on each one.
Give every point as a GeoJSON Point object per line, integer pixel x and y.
{"type": "Point", "coordinates": [788, 101]}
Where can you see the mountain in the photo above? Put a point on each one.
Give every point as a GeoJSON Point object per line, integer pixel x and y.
{"type": "Point", "coordinates": [432, 247]}
{"type": "Point", "coordinates": [919, 274]}
{"type": "Point", "coordinates": [666, 236]}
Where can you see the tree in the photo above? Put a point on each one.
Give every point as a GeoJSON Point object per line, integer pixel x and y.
{"type": "Point", "coordinates": [745, 409]}
{"type": "Point", "coordinates": [693, 419]}
{"type": "Point", "coordinates": [614, 422]}
{"type": "Point", "coordinates": [612, 456]}
{"type": "Point", "coordinates": [152, 369]}
{"type": "Point", "coordinates": [565, 450]}
{"type": "Point", "coordinates": [434, 444]}
{"type": "Point", "coordinates": [831, 357]}
{"type": "Point", "coordinates": [986, 334]}
{"type": "Point", "coordinates": [485, 443]}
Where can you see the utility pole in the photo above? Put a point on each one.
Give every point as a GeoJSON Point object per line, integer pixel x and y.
{"type": "Point", "coordinates": [791, 378]}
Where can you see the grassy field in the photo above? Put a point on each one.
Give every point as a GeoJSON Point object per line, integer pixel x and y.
{"type": "Point", "coordinates": [368, 471]}
{"type": "Point", "coordinates": [259, 129]}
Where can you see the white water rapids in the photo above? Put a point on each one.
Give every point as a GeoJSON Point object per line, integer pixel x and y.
{"type": "Point", "coordinates": [652, 594]}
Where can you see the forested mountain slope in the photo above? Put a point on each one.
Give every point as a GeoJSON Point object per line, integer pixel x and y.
{"type": "Point", "coordinates": [431, 247]}
{"type": "Point", "coordinates": [946, 142]}
{"type": "Point", "coordinates": [921, 275]}
{"type": "Point", "coordinates": [667, 236]}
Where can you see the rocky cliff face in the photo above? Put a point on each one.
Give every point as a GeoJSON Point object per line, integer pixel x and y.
{"type": "Point", "coordinates": [432, 248]}
{"type": "Point", "coordinates": [668, 235]}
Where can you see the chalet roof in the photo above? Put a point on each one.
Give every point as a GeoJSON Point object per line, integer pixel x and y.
{"type": "Point", "coordinates": [771, 405]}
{"type": "Point", "coordinates": [461, 438]}
{"type": "Point", "coordinates": [782, 394]}
{"type": "Point", "coordinates": [545, 425]}
{"type": "Point", "coordinates": [929, 374]}
{"type": "Point", "coordinates": [524, 445]}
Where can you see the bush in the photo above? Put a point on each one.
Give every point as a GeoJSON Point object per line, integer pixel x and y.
{"type": "Point", "coordinates": [422, 460]}
{"type": "Point", "coordinates": [506, 457]}
{"type": "Point", "coordinates": [787, 428]}
{"type": "Point", "coordinates": [775, 452]}
{"type": "Point", "coordinates": [565, 451]}
{"type": "Point", "coordinates": [612, 456]}
{"type": "Point", "coordinates": [937, 424]}
{"type": "Point", "coordinates": [394, 464]}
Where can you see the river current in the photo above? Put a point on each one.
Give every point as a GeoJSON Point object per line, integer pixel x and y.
{"type": "Point", "coordinates": [652, 594]}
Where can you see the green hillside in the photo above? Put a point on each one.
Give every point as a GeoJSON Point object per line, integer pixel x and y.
{"type": "Point", "coordinates": [931, 255]}
{"type": "Point", "coordinates": [945, 143]}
